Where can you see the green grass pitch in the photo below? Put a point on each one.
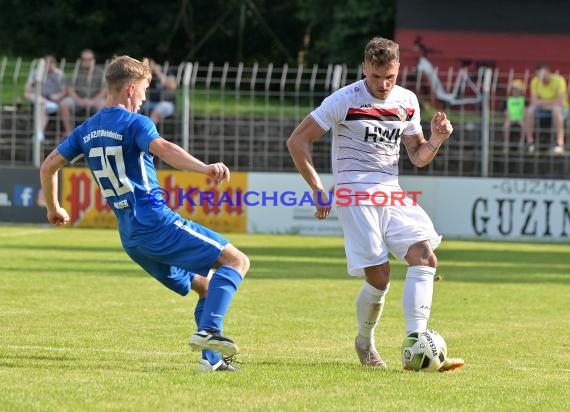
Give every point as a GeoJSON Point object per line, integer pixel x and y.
{"type": "Point", "coordinates": [83, 328]}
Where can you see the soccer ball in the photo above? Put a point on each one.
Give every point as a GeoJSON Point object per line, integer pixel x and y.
{"type": "Point", "coordinates": [424, 352]}
{"type": "Point", "coordinates": [440, 343]}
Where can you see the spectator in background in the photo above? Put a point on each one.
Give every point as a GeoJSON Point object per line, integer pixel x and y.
{"type": "Point", "coordinates": [514, 108]}
{"type": "Point", "coordinates": [88, 92]}
{"type": "Point", "coordinates": [161, 94]}
{"type": "Point", "coordinates": [53, 89]}
{"type": "Point", "coordinates": [548, 99]}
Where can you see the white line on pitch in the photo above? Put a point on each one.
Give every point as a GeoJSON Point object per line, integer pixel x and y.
{"type": "Point", "coordinates": [24, 232]}
{"type": "Point", "coordinates": [100, 350]}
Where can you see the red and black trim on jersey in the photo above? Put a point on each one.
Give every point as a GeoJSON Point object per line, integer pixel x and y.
{"type": "Point", "coordinates": [396, 114]}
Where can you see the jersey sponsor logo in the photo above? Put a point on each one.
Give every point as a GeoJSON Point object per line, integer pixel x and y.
{"type": "Point", "coordinates": [379, 134]}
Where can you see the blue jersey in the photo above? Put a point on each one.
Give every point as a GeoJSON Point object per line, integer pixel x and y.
{"type": "Point", "coordinates": [115, 143]}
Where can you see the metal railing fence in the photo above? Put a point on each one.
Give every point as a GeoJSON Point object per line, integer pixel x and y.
{"type": "Point", "coordinates": [242, 115]}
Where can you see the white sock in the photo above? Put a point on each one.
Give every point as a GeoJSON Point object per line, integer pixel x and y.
{"type": "Point", "coordinates": [369, 305]}
{"type": "Point", "coordinates": [418, 292]}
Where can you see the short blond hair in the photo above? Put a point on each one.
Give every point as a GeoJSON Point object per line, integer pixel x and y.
{"type": "Point", "coordinates": [125, 69]}
{"type": "Point", "coordinates": [382, 52]}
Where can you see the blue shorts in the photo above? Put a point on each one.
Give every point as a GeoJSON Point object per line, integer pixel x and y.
{"type": "Point", "coordinates": [547, 114]}
{"type": "Point", "coordinates": [183, 249]}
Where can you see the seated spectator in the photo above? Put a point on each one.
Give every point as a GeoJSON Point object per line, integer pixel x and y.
{"type": "Point", "coordinates": [161, 94]}
{"type": "Point", "coordinates": [53, 89]}
{"type": "Point", "coordinates": [514, 108]}
{"type": "Point", "coordinates": [88, 92]}
{"type": "Point", "coordinates": [548, 99]}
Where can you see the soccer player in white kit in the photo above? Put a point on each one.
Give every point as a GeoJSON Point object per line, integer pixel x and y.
{"type": "Point", "coordinates": [368, 119]}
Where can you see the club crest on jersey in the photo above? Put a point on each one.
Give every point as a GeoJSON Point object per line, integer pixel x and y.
{"type": "Point", "coordinates": [402, 113]}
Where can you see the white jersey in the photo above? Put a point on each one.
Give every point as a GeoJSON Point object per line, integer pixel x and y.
{"type": "Point", "coordinates": [366, 135]}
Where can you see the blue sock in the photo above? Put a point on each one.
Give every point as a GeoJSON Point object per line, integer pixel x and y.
{"type": "Point", "coordinates": [209, 355]}
{"type": "Point", "coordinates": [223, 285]}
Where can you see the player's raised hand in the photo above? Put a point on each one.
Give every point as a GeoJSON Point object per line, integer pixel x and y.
{"type": "Point", "coordinates": [218, 171]}
{"type": "Point", "coordinates": [441, 127]}
{"type": "Point", "coordinates": [58, 216]}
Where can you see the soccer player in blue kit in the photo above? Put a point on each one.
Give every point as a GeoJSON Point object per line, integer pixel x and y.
{"type": "Point", "coordinates": [119, 144]}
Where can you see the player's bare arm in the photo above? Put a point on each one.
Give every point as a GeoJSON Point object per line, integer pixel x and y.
{"type": "Point", "coordinates": [422, 151]}
{"type": "Point", "coordinates": [178, 158]}
{"type": "Point", "coordinates": [48, 176]}
{"type": "Point", "coordinates": [300, 147]}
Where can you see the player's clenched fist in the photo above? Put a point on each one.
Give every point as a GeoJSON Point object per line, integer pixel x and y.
{"type": "Point", "coordinates": [441, 127]}
{"type": "Point", "coordinates": [218, 171]}
{"type": "Point", "coordinates": [58, 216]}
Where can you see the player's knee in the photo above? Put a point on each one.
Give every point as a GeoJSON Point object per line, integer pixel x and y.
{"type": "Point", "coordinates": [380, 283]}
{"type": "Point", "coordinates": [240, 262]}
{"type": "Point", "coordinates": [421, 254]}
{"type": "Point", "coordinates": [201, 290]}
{"type": "Point", "coordinates": [235, 258]}
{"type": "Point", "coordinates": [200, 285]}
{"type": "Point", "coordinates": [378, 276]}
{"type": "Point", "coordinates": [432, 260]}
{"type": "Point", "coordinates": [243, 263]}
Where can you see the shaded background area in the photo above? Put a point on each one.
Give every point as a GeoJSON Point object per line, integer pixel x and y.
{"type": "Point", "coordinates": [199, 30]}
{"type": "Point", "coordinates": [499, 34]}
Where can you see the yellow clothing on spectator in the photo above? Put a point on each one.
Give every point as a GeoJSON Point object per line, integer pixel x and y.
{"type": "Point", "coordinates": [550, 90]}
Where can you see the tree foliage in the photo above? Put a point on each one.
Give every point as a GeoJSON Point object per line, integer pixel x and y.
{"type": "Point", "coordinates": [340, 34]}
{"type": "Point", "coordinates": [315, 31]}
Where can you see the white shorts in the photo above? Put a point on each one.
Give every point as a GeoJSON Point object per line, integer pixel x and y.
{"type": "Point", "coordinates": [370, 232]}
{"type": "Point", "coordinates": [165, 108]}
{"type": "Point", "coordinates": [51, 107]}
